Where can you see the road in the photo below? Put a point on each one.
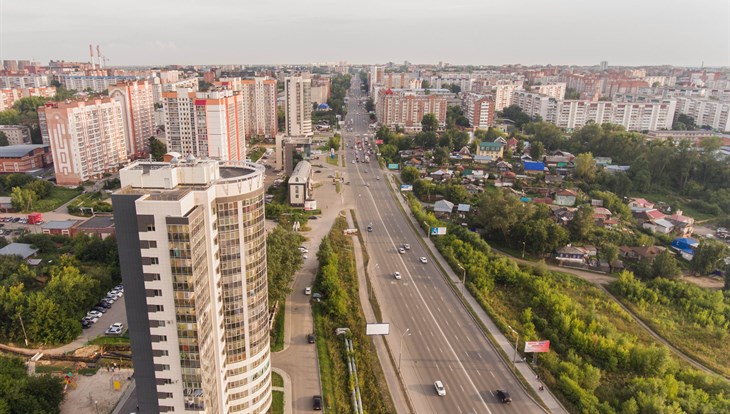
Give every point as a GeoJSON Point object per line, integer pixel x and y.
{"type": "Point", "coordinates": [440, 341]}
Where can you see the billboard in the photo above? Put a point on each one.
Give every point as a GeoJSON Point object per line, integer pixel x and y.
{"type": "Point", "coordinates": [310, 205]}
{"type": "Point", "coordinates": [377, 329]}
{"type": "Point", "coordinates": [438, 231]}
{"type": "Point", "coordinates": [537, 346]}
{"type": "Point", "coordinates": [406, 187]}
{"type": "Point", "coordinates": [378, 142]}
{"type": "Point", "coordinates": [392, 166]}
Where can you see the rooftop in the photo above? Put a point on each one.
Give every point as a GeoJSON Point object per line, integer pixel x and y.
{"type": "Point", "coordinates": [98, 222]}
{"type": "Point", "coordinates": [18, 249]}
{"type": "Point", "coordinates": [59, 224]}
{"type": "Point", "coordinates": [17, 151]}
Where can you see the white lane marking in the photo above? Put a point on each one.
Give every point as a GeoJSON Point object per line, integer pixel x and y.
{"type": "Point", "coordinates": [468, 339]}
{"type": "Point", "coordinates": [492, 374]}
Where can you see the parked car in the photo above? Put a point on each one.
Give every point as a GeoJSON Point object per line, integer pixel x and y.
{"type": "Point", "coordinates": [440, 390]}
{"type": "Point", "coordinates": [113, 331]}
{"type": "Point", "coordinates": [308, 290]}
{"type": "Point", "coordinates": [85, 324]}
{"type": "Point", "coordinates": [407, 246]}
{"type": "Point", "coordinates": [105, 304]}
{"type": "Point", "coordinates": [100, 309]}
{"type": "Point", "coordinates": [94, 313]}
{"type": "Point", "coordinates": [317, 403]}
{"type": "Point", "coordinates": [117, 325]}
{"type": "Point", "coordinates": [397, 275]}
{"type": "Point", "coordinates": [504, 396]}
{"type": "Point", "coordinates": [401, 250]}
{"type": "Point", "coordinates": [90, 319]}
{"type": "Point", "coordinates": [310, 338]}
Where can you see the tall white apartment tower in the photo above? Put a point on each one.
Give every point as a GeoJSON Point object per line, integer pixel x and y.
{"type": "Point", "coordinates": [138, 106]}
{"type": "Point", "coordinates": [192, 249]}
{"type": "Point", "coordinates": [298, 106]}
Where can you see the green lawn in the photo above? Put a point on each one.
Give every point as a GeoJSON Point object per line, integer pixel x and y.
{"type": "Point", "coordinates": [277, 402]}
{"type": "Point", "coordinates": [277, 333]}
{"type": "Point", "coordinates": [276, 380]}
{"type": "Point", "coordinates": [58, 197]}
{"type": "Point", "coordinates": [111, 340]}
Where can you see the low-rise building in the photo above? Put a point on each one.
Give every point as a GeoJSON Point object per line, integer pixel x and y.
{"type": "Point", "coordinates": [24, 158]}
{"type": "Point", "coordinates": [100, 225]}
{"type": "Point", "coordinates": [59, 227]}
{"type": "Point", "coordinates": [490, 149]}
{"type": "Point", "coordinates": [565, 197]}
{"type": "Point", "coordinates": [300, 184]}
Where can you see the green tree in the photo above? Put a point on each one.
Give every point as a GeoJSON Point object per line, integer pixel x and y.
{"type": "Point", "coordinates": [9, 117]}
{"type": "Point", "coordinates": [708, 257]}
{"type": "Point", "coordinates": [585, 167]}
{"type": "Point", "coordinates": [498, 213]}
{"type": "Point", "coordinates": [157, 149]}
{"type": "Point", "coordinates": [457, 194]}
{"type": "Point", "coordinates": [609, 252]}
{"type": "Point", "coordinates": [3, 139]}
{"type": "Point", "coordinates": [441, 155]}
{"type": "Point", "coordinates": [665, 265]}
{"type": "Point", "coordinates": [22, 199]}
{"type": "Point", "coordinates": [582, 222]}
{"type": "Point", "coordinates": [409, 174]}
{"type": "Point", "coordinates": [537, 150]}
{"type": "Point", "coordinates": [429, 123]}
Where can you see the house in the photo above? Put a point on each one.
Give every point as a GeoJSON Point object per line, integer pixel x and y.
{"type": "Point", "coordinates": [483, 159]}
{"type": "Point", "coordinates": [661, 225]}
{"type": "Point", "coordinates": [641, 253]}
{"type": "Point", "coordinates": [59, 227]}
{"type": "Point", "coordinates": [512, 144]}
{"type": "Point", "coordinates": [644, 215]}
{"type": "Point", "coordinates": [601, 214]}
{"type": "Point", "coordinates": [443, 207]}
{"type": "Point", "coordinates": [565, 197]}
{"type": "Point", "coordinates": [685, 246]}
{"type": "Point", "coordinates": [501, 141]}
{"type": "Point", "coordinates": [553, 179]}
{"type": "Point", "coordinates": [533, 167]}
{"type": "Point", "coordinates": [18, 249]}
{"type": "Point", "coordinates": [503, 166]}
{"type": "Point", "coordinates": [463, 209]}
{"type": "Point", "coordinates": [602, 161]}
{"type": "Point", "coordinates": [571, 255]}
{"type": "Point", "coordinates": [640, 203]}
{"type": "Point", "coordinates": [491, 149]}
{"type": "Point", "coordinates": [610, 223]}
{"type": "Point", "coordinates": [6, 203]}
{"type": "Point", "coordinates": [100, 225]}
{"type": "Point", "coordinates": [563, 215]}
{"type": "Point", "coordinates": [683, 225]}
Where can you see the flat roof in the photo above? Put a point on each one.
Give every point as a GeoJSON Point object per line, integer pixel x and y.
{"type": "Point", "coordinates": [59, 224]}
{"type": "Point", "coordinates": [98, 222]}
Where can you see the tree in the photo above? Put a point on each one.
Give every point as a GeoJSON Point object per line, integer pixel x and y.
{"type": "Point", "coordinates": [429, 123]}
{"type": "Point", "coordinates": [537, 150]}
{"type": "Point", "coordinates": [22, 199]}
{"type": "Point", "coordinates": [498, 212]}
{"type": "Point", "coordinates": [665, 265]}
{"type": "Point", "coordinates": [582, 222]}
{"type": "Point", "coordinates": [3, 139]}
{"type": "Point", "coordinates": [441, 155]}
{"type": "Point", "coordinates": [585, 167]}
{"type": "Point", "coordinates": [708, 257]}
{"type": "Point", "coordinates": [517, 115]}
{"type": "Point", "coordinates": [409, 174]}
{"type": "Point", "coordinates": [9, 117]}
{"type": "Point", "coordinates": [157, 149]}
{"type": "Point", "coordinates": [609, 252]}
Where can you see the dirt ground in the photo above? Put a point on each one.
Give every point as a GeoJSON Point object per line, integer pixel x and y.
{"type": "Point", "coordinates": [96, 392]}
{"type": "Point", "coordinates": [705, 282]}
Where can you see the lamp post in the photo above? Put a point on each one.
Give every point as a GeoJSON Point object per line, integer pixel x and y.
{"type": "Point", "coordinates": [428, 230]}
{"type": "Point", "coordinates": [523, 249]}
{"type": "Point", "coordinates": [463, 279]}
{"type": "Point", "coordinates": [514, 358]}
{"type": "Point", "coordinates": [400, 353]}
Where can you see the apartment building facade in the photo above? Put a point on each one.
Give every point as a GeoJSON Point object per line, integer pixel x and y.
{"type": "Point", "coordinates": [16, 134]}
{"type": "Point", "coordinates": [86, 137]}
{"type": "Point", "coordinates": [298, 106]}
{"type": "Point", "coordinates": [479, 110]}
{"type": "Point", "coordinates": [706, 112]}
{"type": "Point", "coordinates": [95, 83]}
{"type": "Point", "coordinates": [503, 94]}
{"type": "Point", "coordinates": [259, 104]}
{"type": "Point", "coordinates": [9, 96]}
{"type": "Point", "coordinates": [406, 109]}
{"type": "Point", "coordinates": [553, 90]}
{"type": "Point", "coordinates": [193, 261]}
{"type": "Point", "coordinates": [138, 109]}
{"type": "Point", "coordinates": [24, 81]}
{"type": "Point", "coordinates": [205, 124]}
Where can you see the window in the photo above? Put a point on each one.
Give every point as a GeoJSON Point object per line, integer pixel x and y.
{"type": "Point", "coordinates": [154, 260]}
{"type": "Point", "coordinates": [150, 227]}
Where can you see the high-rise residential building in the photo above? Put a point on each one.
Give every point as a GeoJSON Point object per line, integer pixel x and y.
{"type": "Point", "coordinates": [98, 83]}
{"type": "Point", "coordinates": [11, 95]}
{"type": "Point", "coordinates": [406, 109]}
{"type": "Point", "coordinates": [86, 138]}
{"type": "Point", "coordinates": [259, 104]}
{"type": "Point", "coordinates": [535, 104]}
{"type": "Point", "coordinates": [205, 124]}
{"type": "Point", "coordinates": [503, 94]}
{"type": "Point", "coordinates": [24, 81]}
{"type": "Point", "coordinates": [320, 89]}
{"type": "Point", "coordinates": [479, 110]}
{"type": "Point", "coordinates": [16, 134]}
{"type": "Point", "coordinates": [706, 112]}
{"type": "Point", "coordinates": [375, 78]}
{"type": "Point", "coordinates": [552, 90]}
{"type": "Point", "coordinates": [192, 249]}
{"type": "Point", "coordinates": [11, 65]}
{"type": "Point", "coordinates": [297, 106]}
{"type": "Point", "coordinates": [604, 65]}
{"type": "Point", "coordinates": [138, 109]}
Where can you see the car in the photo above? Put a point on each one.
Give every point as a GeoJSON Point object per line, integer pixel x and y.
{"type": "Point", "coordinates": [90, 319]}
{"type": "Point", "coordinates": [117, 325]}
{"type": "Point", "coordinates": [504, 396]}
{"type": "Point", "coordinates": [313, 218]}
{"type": "Point", "coordinates": [308, 290]}
{"type": "Point", "coordinates": [317, 403]}
{"type": "Point", "coordinates": [113, 331]}
{"type": "Point", "coordinates": [94, 313]}
{"type": "Point", "coordinates": [366, 170]}
{"type": "Point", "coordinates": [303, 249]}
{"type": "Point", "coordinates": [378, 178]}
{"type": "Point", "coordinates": [119, 288]}
{"type": "Point", "coordinates": [440, 390]}
{"type": "Point", "coordinates": [100, 309]}
{"type": "Point", "coordinates": [105, 304]}
{"type": "Point", "coordinates": [423, 260]}
{"type": "Point", "coordinates": [406, 246]}
{"type": "Point", "coordinates": [119, 293]}
{"type": "Point", "coordinates": [310, 338]}
{"type": "Point", "coordinates": [397, 275]}
{"type": "Point", "coordinates": [353, 161]}
{"type": "Point", "coordinates": [85, 324]}
{"type": "Point", "coordinates": [401, 250]}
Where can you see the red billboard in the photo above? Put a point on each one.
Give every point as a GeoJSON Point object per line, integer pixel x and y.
{"type": "Point", "coordinates": [537, 346]}
{"type": "Point", "coordinates": [378, 142]}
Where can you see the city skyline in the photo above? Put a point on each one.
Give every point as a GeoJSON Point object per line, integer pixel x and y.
{"type": "Point", "coordinates": [527, 32]}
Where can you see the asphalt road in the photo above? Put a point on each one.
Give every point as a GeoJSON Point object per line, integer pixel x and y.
{"type": "Point", "coordinates": [440, 340]}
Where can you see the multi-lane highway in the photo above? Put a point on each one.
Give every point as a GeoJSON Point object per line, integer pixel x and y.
{"type": "Point", "coordinates": [440, 340]}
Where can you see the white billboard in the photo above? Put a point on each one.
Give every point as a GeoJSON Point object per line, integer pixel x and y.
{"type": "Point", "coordinates": [377, 329]}
{"type": "Point", "coordinates": [438, 231]}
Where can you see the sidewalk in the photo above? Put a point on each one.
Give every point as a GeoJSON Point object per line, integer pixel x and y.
{"type": "Point", "coordinates": [503, 342]}
{"type": "Point", "coordinates": [381, 346]}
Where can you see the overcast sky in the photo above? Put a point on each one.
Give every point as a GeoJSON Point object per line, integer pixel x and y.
{"type": "Point", "coordinates": [492, 32]}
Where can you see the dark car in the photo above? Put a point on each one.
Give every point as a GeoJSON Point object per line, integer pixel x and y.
{"type": "Point", "coordinates": [503, 396]}
{"type": "Point", "coordinates": [317, 402]}
{"type": "Point", "coordinates": [310, 338]}
{"type": "Point", "coordinates": [100, 309]}
{"type": "Point", "coordinates": [85, 324]}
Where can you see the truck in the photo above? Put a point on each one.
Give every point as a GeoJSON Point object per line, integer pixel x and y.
{"type": "Point", "coordinates": [35, 218]}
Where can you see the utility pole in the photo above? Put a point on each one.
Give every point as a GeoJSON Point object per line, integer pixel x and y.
{"type": "Point", "coordinates": [514, 357]}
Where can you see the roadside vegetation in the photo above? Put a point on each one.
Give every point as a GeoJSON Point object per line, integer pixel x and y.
{"type": "Point", "coordinates": [340, 308]}
{"type": "Point", "coordinates": [52, 297]}
{"type": "Point", "coordinates": [20, 393]}
{"type": "Point", "coordinates": [33, 194]}
{"type": "Point", "coordinates": [282, 261]}
{"type": "Point", "coordinates": [600, 360]}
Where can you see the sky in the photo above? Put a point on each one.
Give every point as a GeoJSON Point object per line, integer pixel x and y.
{"type": "Point", "coordinates": [480, 32]}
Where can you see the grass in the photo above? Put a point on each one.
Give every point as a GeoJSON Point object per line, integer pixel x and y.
{"type": "Point", "coordinates": [326, 371]}
{"type": "Point", "coordinates": [94, 200]}
{"type": "Point", "coordinates": [277, 402]}
{"type": "Point", "coordinates": [277, 332]}
{"type": "Point", "coordinates": [111, 340]}
{"type": "Point", "coordinates": [332, 161]}
{"type": "Point", "coordinates": [256, 153]}
{"type": "Point", "coordinates": [48, 369]}
{"type": "Point", "coordinates": [58, 197]}
{"type": "Point", "coordinates": [276, 380]}
{"type": "Point", "coordinates": [338, 187]}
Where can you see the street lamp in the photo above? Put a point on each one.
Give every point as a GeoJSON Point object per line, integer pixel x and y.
{"type": "Point", "coordinates": [514, 358]}
{"type": "Point", "coordinates": [523, 249]}
{"type": "Point", "coordinates": [463, 279]}
{"type": "Point", "coordinates": [400, 353]}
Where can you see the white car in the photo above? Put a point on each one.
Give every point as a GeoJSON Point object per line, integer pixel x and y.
{"type": "Point", "coordinates": [308, 290]}
{"type": "Point", "coordinates": [113, 331]}
{"type": "Point", "coordinates": [94, 314]}
{"type": "Point", "coordinates": [353, 161]}
{"type": "Point", "coordinates": [407, 246]}
{"type": "Point", "coordinates": [303, 249]}
{"type": "Point", "coordinates": [423, 260]}
{"type": "Point", "coordinates": [117, 325]}
{"type": "Point", "coordinates": [440, 390]}
{"type": "Point", "coordinates": [402, 250]}
{"type": "Point", "coordinates": [397, 275]}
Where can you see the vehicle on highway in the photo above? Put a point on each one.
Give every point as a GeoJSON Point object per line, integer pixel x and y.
{"type": "Point", "coordinates": [370, 227]}
{"type": "Point", "coordinates": [308, 290]}
{"type": "Point", "coordinates": [397, 275]}
{"type": "Point", "coordinates": [317, 403]}
{"type": "Point", "coordinates": [423, 260]}
{"type": "Point", "coordinates": [401, 250]}
{"type": "Point", "coordinates": [378, 178]}
{"type": "Point", "coordinates": [310, 338]}
{"type": "Point", "coordinates": [406, 246]}
{"type": "Point", "coordinates": [353, 161]}
{"type": "Point", "coordinates": [504, 396]}
{"type": "Point", "coordinates": [440, 390]}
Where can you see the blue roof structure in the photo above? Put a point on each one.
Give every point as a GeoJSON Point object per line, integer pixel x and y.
{"type": "Point", "coordinates": [534, 166]}
{"type": "Point", "coordinates": [323, 106]}
{"type": "Point", "coordinates": [685, 244]}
